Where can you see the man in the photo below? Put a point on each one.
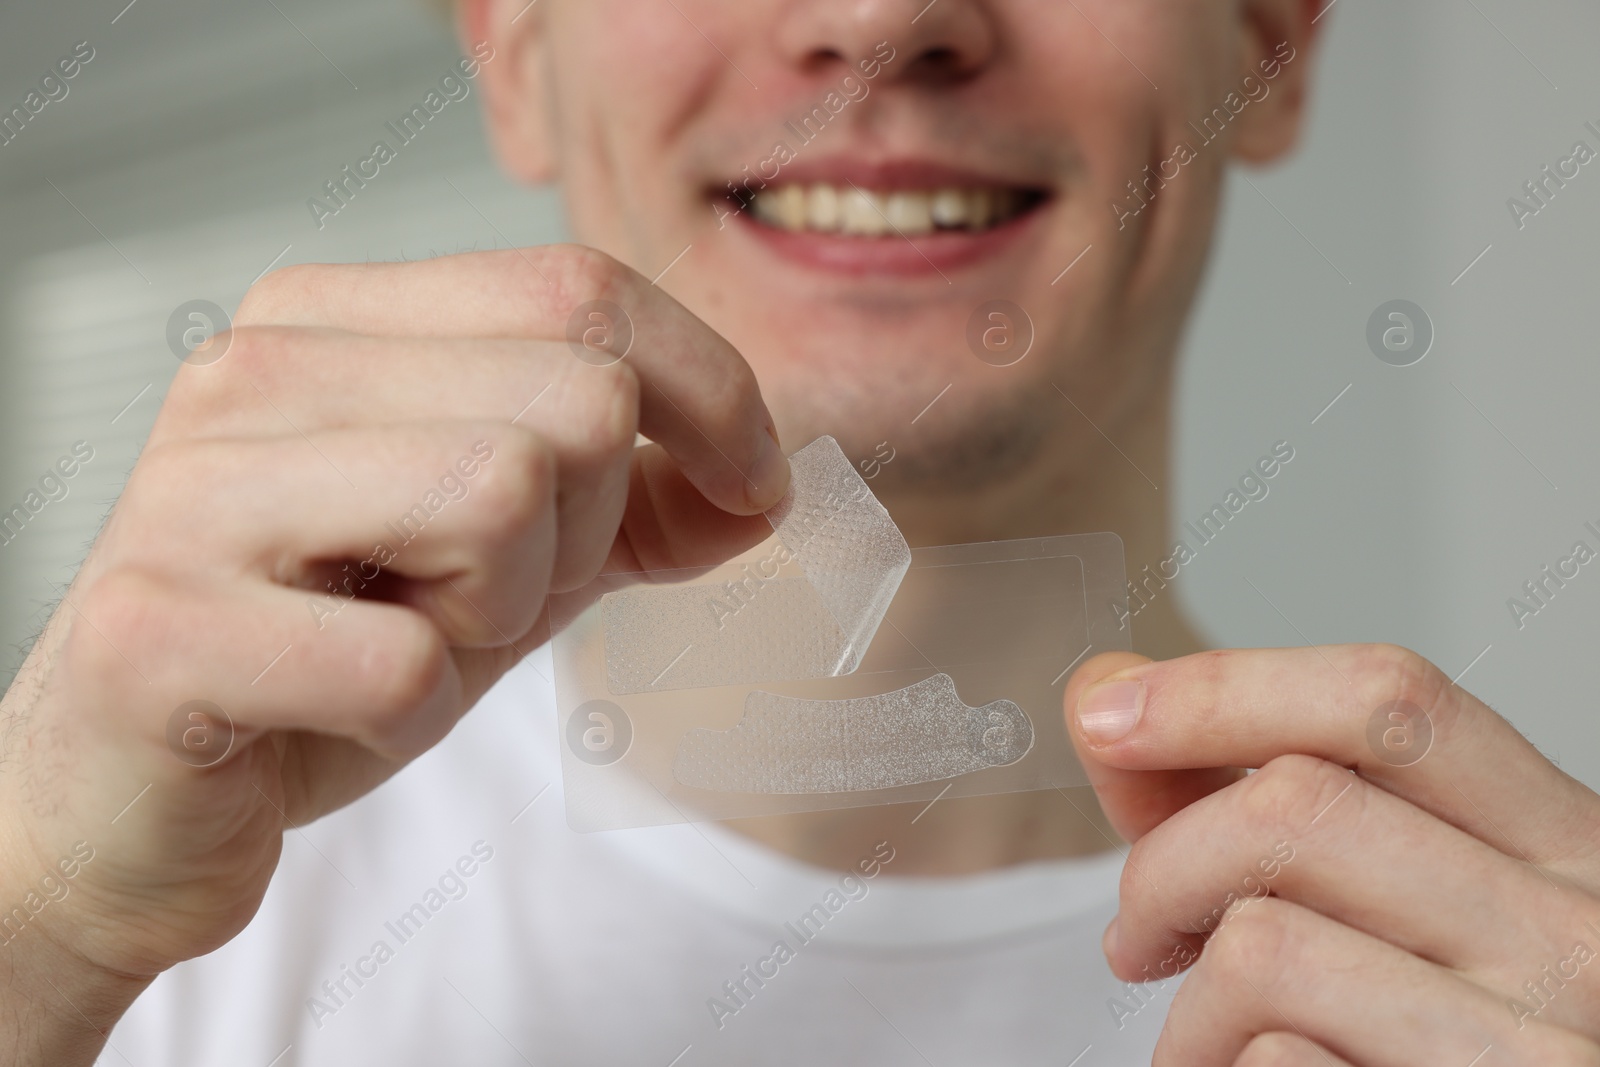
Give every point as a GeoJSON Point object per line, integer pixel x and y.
{"type": "Point", "coordinates": [1441, 909]}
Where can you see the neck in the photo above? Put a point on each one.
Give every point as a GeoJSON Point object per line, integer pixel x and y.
{"type": "Point", "coordinates": [1103, 489]}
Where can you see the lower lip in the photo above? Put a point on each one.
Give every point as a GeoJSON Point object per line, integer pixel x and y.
{"type": "Point", "coordinates": [934, 253]}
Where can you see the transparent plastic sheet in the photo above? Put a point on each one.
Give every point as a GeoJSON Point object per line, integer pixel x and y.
{"type": "Point", "coordinates": [810, 700]}
{"type": "Point", "coordinates": [806, 607]}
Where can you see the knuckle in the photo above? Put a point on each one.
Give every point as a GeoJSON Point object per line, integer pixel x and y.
{"type": "Point", "coordinates": [1274, 1049]}
{"type": "Point", "coordinates": [1291, 791]}
{"type": "Point", "coordinates": [279, 290]}
{"type": "Point", "coordinates": [1141, 902]}
{"type": "Point", "coordinates": [1386, 672]}
{"type": "Point", "coordinates": [1252, 945]}
{"type": "Point", "coordinates": [1133, 891]}
{"type": "Point", "coordinates": [1128, 881]}
{"type": "Point", "coordinates": [207, 397]}
{"type": "Point", "coordinates": [197, 392]}
{"type": "Point", "coordinates": [171, 481]}
{"type": "Point", "coordinates": [1392, 672]}
{"type": "Point", "coordinates": [610, 403]}
{"type": "Point", "coordinates": [126, 609]}
{"type": "Point", "coordinates": [167, 517]}
{"type": "Point", "coordinates": [582, 274]}
{"type": "Point", "coordinates": [159, 466]}
{"type": "Point", "coordinates": [517, 489]}
{"type": "Point", "coordinates": [252, 349]}
{"type": "Point", "coordinates": [400, 672]}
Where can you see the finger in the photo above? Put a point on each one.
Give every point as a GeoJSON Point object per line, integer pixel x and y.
{"type": "Point", "coordinates": [455, 519]}
{"type": "Point", "coordinates": [1246, 707]}
{"type": "Point", "coordinates": [1134, 800]}
{"type": "Point", "coordinates": [1281, 1049]}
{"type": "Point", "coordinates": [1310, 832]}
{"type": "Point", "coordinates": [669, 525]}
{"type": "Point", "coordinates": [382, 677]}
{"type": "Point", "coordinates": [262, 386]}
{"type": "Point", "coordinates": [699, 397]}
{"type": "Point", "coordinates": [1277, 966]}
{"type": "Point", "coordinates": [368, 513]}
{"type": "Point", "coordinates": [586, 415]}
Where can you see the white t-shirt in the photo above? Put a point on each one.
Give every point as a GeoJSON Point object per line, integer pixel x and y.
{"type": "Point", "coordinates": [443, 919]}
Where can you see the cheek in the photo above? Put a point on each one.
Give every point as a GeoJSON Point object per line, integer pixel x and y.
{"type": "Point", "coordinates": [627, 80]}
{"type": "Point", "coordinates": [1122, 119]}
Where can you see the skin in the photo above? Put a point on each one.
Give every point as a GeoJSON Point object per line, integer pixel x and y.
{"type": "Point", "coordinates": [1418, 899]}
{"type": "Point", "coordinates": [1003, 455]}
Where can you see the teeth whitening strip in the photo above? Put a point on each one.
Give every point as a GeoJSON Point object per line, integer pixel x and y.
{"type": "Point", "coordinates": [832, 666]}
{"type": "Point", "coordinates": [922, 733]}
{"type": "Point", "coordinates": [808, 609]}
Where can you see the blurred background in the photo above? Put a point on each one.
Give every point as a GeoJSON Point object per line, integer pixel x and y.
{"type": "Point", "coordinates": [1420, 498]}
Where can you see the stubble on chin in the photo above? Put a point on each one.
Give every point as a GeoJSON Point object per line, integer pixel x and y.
{"type": "Point", "coordinates": [961, 450]}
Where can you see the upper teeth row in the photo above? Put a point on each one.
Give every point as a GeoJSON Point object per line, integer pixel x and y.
{"type": "Point", "coordinates": [851, 210]}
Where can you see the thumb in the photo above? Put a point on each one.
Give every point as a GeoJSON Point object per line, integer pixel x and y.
{"type": "Point", "coordinates": [1102, 706]}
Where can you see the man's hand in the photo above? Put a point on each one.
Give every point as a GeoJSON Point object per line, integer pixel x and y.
{"type": "Point", "coordinates": [340, 534]}
{"type": "Point", "coordinates": [1403, 880]}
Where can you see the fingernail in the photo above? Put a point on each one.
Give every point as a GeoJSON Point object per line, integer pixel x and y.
{"type": "Point", "coordinates": [1108, 942]}
{"type": "Point", "coordinates": [1109, 711]}
{"type": "Point", "coordinates": [769, 478]}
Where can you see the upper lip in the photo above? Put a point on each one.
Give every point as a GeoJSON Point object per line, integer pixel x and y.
{"type": "Point", "coordinates": [884, 175]}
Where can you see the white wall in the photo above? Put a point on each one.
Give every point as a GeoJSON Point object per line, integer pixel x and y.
{"type": "Point", "coordinates": [194, 137]}
{"type": "Point", "coordinates": [1407, 515]}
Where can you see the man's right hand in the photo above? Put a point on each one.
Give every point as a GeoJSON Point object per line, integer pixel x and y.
{"type": "Point", "coordinates": [348, 408]}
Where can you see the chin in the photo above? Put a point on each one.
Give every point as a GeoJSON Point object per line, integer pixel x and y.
{"type": "Point", "coordinates": [968, 442]}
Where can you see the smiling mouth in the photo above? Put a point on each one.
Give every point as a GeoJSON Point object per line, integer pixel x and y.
{"type": "Point", "coordinates": [852, 211]}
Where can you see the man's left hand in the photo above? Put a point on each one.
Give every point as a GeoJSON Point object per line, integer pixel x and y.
{"type": "Point", "coordinates": [1403, 879]}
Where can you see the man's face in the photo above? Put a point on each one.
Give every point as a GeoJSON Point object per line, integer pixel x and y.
{"type": "Point", "coordinates": [837, 186]}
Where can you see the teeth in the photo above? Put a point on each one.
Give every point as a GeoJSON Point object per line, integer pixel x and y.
{"type": "Point", "coordinates": [950, 207]}
{"type": "Point", "coordinates": [824, 208]}
{"type": "Point", "coordinates": [791, 201]}
{"type": "Point", "coordinates": [863, 214]}
{"type": "Point", "coordinates": [910, 213]}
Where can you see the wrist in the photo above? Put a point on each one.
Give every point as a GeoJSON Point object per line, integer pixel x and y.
{"type": "Point", "coordinates": [56, 1007]}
